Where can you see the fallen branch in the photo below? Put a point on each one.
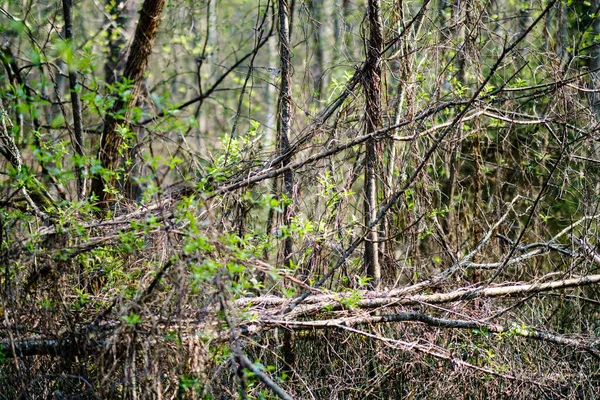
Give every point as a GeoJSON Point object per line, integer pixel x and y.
{"type": "Point", "coordinates": [373, 299]}
{"type": "Point", "coordinates": [513, 330]}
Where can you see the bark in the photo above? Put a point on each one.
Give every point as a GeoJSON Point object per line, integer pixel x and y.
{"type": "Point", "coordinates": [137, 62]}
{"type": "Point", "coordinates": [314, 304]}
{"type": "Point", "coordinates": [372, 87]}
{"type": "Point", "coordinates": [285, 117]}
{"type": "Point", "coordinates": [80, 171]}
{"type": "Point", "coordinates": [284, 126]}
{"type": "Point", "coordinates": [595, 61]}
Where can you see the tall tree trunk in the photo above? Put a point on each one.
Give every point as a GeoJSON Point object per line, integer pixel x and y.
{"type": "Point", "coordinates": [592, 170]}
{"type": "Point", "coordinates": [123, 13]}
{"type": "Point", "coordinates": [76, 104]}
{"type": "Point", "coordinates": [283, 127]}
{"type": "Point", "coordinates": [372, 87]}
{"type": "Point", "coordinates": [137, 62]}
{"type": "Point", "coordinates": [285, 116]}
{"type": "Point", "coordinates": [595, 60]}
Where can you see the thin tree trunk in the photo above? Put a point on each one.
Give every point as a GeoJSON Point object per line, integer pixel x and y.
{"type": "Point", "coordinates": [80, 171]}
{"type": "Point", "coordinates": [595, 61]}
{"type": "Point", "coordinates": [283, 126]}
{"type": "Point", "coordinates": [595, 103]}
{"type": "Point", "coordinates": [271, 126]}
{"type": "Point", "coordinates": [285, 116]}
{"type": "Point", "coordinates": [137, 62]}
{"type": "Point", "coordinates": [373, 122]}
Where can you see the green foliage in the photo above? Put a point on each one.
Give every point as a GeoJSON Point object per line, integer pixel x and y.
{"type": "Point", "coordinates": [132, 319]}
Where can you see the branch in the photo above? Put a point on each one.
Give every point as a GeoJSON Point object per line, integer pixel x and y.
{"type": "Point", "coordinates": [268, 172]}
{"type": "Point", "coordinates": [340, 323]}
{"type": "Point", "coordinates": [246, 363]}
{"type": "Point", "coordinates": [214, 87]}
{"type": "Point", "coordinates": [373, 299]}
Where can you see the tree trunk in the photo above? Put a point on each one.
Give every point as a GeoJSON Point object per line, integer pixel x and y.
{"type": "Point", "coordinates": [373, 122]}
{"type": "Point", "coordinates": [285, 116]}
{"type": "Point", "coordinates": [137, 62]}
{"type": "Point", "coordinates": [80, 171]}
{"type": "Point", "coordinates": [595, 60]}
{"type": "Point", "coordinates": [283, 127]}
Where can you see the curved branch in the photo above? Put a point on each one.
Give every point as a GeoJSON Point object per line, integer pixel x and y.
{"type": "Point", "coordinates": [513, 330]}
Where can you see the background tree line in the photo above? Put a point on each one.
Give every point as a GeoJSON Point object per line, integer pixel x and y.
{"type": "Point", "coordinates": [299, 199]}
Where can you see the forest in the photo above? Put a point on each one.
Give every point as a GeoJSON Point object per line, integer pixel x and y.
{"type": "Point", "coordinates": [299, 199]}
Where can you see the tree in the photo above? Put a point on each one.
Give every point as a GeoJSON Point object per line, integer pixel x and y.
{"type": "Point", "coordinates": [114, 132]}
{"type": "Point", "coordinates": [373, 122]}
